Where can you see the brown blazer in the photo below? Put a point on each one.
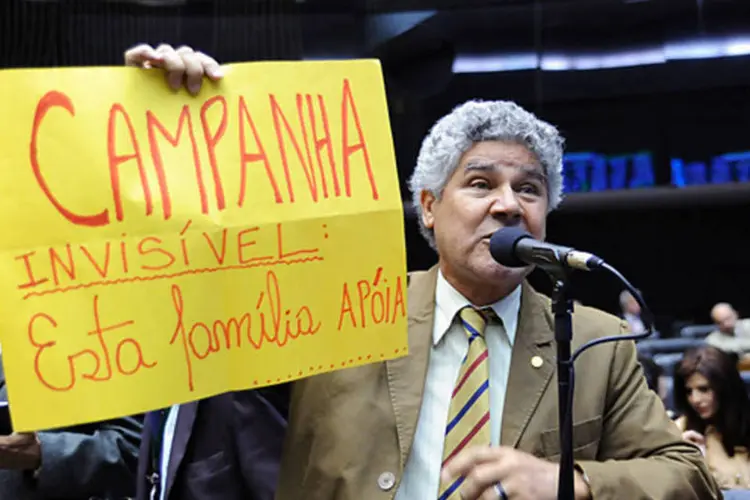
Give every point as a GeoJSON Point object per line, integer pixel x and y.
{"type": "Point", "coordinates": [351, 431]}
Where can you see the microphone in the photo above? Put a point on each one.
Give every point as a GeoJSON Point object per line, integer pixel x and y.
{"type": "Point", "coordinates": [514, 247]}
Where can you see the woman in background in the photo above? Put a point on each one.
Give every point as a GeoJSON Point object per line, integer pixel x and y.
{"type": "Point", "coordinates": [715, 408]}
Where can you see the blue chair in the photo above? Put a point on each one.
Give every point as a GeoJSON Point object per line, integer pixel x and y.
{"type": "Point", "coordinates": [651, 347]}
{"type": "Point", "coordinates": [696, 331]}
{"type": "Point", "coordinates": [669, 396]}
{"type": "Point", "coordinates": [736, 494]}
{"type": "Point", "coordinates": [667, 361]}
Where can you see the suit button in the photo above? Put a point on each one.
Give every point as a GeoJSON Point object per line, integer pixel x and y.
{"type": "Point", "coordinates": [386, 481]}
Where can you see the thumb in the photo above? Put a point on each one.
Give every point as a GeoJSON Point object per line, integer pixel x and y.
{"type": "Point", "coordinates": [142, 56]}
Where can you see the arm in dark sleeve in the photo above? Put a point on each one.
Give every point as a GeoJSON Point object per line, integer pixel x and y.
{"type": "Point", "coordinates": [90, 460]}
{"type": "Point", "coordinates": [260, 426]}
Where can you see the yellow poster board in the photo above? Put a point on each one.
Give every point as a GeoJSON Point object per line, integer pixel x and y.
{"type": "Point", "coordinates": [160, 248]}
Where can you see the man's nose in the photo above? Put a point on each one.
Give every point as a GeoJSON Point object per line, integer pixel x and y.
{"type": "Point", "coordinates": [505, 204]}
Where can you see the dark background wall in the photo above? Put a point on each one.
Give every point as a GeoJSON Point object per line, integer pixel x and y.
{"type": "Point", "coordinates": [686, 249]}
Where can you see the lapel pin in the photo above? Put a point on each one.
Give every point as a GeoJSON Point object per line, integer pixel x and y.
{"type": "Point", "coordinates": [537, 361]}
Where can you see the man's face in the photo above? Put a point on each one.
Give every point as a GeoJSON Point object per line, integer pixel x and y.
{"type": "Point", "coordinates": [632, 307]}
{"type": "Point", "coordinates": [725, 318]}
{"type": "Point", "coordinates": [496, 184]}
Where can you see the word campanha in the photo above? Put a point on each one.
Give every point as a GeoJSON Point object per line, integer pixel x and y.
{"type": "Point", "coordinates": [326, 162]}
{"type": "Point", "coordinates": [125, 260]}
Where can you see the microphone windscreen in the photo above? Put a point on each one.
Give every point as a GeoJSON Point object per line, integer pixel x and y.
{"type": "Point", "coordinates": [503, 246]}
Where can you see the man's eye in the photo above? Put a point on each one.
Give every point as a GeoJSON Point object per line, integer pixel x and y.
{"type": "Point", "coordinates": [480, 184]}
{"type": "Point", "coordinates": [530, 189]}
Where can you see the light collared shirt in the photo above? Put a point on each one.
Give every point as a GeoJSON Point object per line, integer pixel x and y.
{"type": "Point", "coordinates": [739, 343]}
{"type": "Point", "coordinates": [635, 323]}
{"type": "Point", "coordinates": [449, 347]}
{"type": "Point", "coordinates": [166, 451]}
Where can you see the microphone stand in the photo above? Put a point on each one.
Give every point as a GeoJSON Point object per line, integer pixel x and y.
{"type": "Point", "coordinates": [507, 247]}
{"type": "Point", "coordinates": [562, 308]}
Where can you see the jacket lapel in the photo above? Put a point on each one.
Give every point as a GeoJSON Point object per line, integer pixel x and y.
{"type": "Point", "coordinates": [528, 378]}
{"type": "Point", "coordinates": [143, 486]}
{"type": "Point", "coordinates": [182, 431]}
{"type": "Point", "coordinates": [406, 375]}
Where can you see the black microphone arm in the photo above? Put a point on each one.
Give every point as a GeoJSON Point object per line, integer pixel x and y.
{"type": "Point", "coordinates": [513, 247]}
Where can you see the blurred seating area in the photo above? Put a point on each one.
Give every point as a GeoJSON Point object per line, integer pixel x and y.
{"type": "Point", "coordinates": [702, 374]}
{"type": "Point", "coordinates": [666, 352]}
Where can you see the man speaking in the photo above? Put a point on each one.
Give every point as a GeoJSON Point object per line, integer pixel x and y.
{"type": "Point", "coordinates": [471, 412]}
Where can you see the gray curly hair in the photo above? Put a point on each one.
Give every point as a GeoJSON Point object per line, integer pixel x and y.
{"type": "Point", "coordinates": [476, 121]}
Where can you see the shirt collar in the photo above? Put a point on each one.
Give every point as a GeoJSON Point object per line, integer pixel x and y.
{"type": "Point", "coordinates": [448, 301]}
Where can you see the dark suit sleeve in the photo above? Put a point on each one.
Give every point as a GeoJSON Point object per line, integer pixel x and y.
{"type": "Point", "coordinates": [641, 453]}
{"type": "Point", "coordinates": [259, 426]}
{"type": "Point", "coordinates": [90, 460]}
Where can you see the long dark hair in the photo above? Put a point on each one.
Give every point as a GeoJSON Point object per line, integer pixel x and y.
{"type": "Point", "coordinates": [732, 417]}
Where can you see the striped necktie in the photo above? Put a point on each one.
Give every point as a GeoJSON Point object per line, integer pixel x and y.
{"type": "Point", "coordinates": [469, 415]}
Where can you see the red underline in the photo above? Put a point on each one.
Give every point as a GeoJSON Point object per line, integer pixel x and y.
{"type": "Point", "coordinates": [172, 275]}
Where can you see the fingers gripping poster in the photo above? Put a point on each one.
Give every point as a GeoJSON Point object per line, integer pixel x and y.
{"type": "Point", "coordinates": [160, 247]}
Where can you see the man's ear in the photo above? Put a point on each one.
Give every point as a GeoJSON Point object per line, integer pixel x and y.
{"type": "Point", "coordinates": [428, 201]}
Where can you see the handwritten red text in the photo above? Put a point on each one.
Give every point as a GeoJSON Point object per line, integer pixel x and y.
{"type": "Point", "coordinates": [94, 364]}
{"type": "Point", "coordinates": [371, 302]}
{"type": "Point", "coordinates": [271, 321]}
{"type": "Point", "coordinates": [302, 135]}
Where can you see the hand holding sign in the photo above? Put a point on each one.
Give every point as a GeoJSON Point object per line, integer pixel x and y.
{"type": "Point", "coordinates": [20, 451]}
{"type": "Point", "coordinates": [181, 65]}
{"type": "Point", "coordinates": [164, 248]}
